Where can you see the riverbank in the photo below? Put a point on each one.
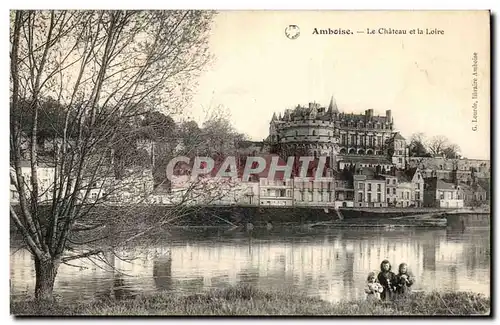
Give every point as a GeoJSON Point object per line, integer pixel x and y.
{"type": "Point", "coordinates": [246, 300]}
{"type": "Point", "coordinates": [240, 216]}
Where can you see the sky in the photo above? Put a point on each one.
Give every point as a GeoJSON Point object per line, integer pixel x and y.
{"type": "Point", "coordinates": [426, 80]}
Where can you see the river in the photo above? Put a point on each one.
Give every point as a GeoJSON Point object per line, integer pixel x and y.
{"type": "Point", "coordinates": [330, 263]}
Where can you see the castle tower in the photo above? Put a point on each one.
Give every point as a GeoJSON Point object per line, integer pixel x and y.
{"type": "Point", "coordinates": [332, 108]}
{"type": "Point", "coordinates": [273, 133]}
{"type": "Point", "coordinates": [399, 150]}
{"type": "Point", "coordinates": [313, 108]}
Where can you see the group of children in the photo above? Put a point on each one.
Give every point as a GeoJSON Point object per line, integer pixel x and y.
{"type": "Point", "coordinates": [387, 285]}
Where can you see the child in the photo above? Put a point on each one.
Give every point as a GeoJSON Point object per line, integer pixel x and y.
{"type": "Point", "coordinates": [373, 288]}
{"type": "Point", "coordinates": [388, 280]}
{"type": "Point", "coordinates": [405, 280]}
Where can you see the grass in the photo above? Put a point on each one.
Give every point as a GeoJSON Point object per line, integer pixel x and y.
{"type": "Point", "coordinates": [246, 300]}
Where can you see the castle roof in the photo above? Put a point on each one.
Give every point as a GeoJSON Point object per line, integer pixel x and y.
{"type": "Point", "coordinates": [398, 136]}
{"type": "Point", "coordinates": [332, 108]}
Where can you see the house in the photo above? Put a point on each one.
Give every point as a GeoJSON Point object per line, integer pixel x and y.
{"type": "Point", "coordinates": [391, 185]}
{"type": "Point", "coordinates": [239, 193]}
{"type": "Point", "coordinates": [369, 189]}
{"type": "Point", "coordinates": [485, 184]}
{"type": "Point", "coordinates": [404, 194]}
{"type": "Point", "coordinates": [46, 179]}
{"type": "Point", "coordinates": [309, 192]}
{"type": "Point", "coordinates": [410, 188]}
{"type": "Point", "coordinates": [276, 192]}
{"type": "Point", "coordinates": [51, 144]}
{"type": "Point", "coordinates": [135, 187]}
{"type": "Point", "coordinates": [439, 193]}
{"type": "Point", "coordinates": [473, 194]}
{"type": "Point", "coordinates": [344, 190]}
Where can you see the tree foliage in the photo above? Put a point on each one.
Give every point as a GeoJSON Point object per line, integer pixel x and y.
{"type": "Point", "coordinates": [417, 145]}
{"type": "Point", "coordinates": [435, 146]}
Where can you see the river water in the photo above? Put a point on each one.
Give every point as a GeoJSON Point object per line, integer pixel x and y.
{"type": "Point", "coordinates": [331, 263]}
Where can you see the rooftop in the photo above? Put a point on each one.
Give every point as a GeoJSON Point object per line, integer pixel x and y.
{"type": "Point", "coordinates": [444, 185]}
{"type": "Point", "coordinates": [365, 159]}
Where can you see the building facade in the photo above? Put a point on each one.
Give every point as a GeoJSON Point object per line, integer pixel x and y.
{"type": "Point", "coordinates": [325, 131]}
{"type": "Point", "coordinates": [391, 186]}
{"type": "Point", "coordinates": [277, 192]}
{"type": "Point", "coordinates": [439, 193]}
{"type": "Point", "coordinates": [473, 195]}
{"type": "Point", "coordinates": [344, 190]}
{"type": "Point", "coordinates": [45, 177]}
{"type": "Point", "coordinates": [369, 190]}
{"type": "Point", "coordinates": [309, 192]}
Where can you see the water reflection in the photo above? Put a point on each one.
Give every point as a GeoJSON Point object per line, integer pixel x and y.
{"type": "Point", "coordinates": [162, 274]}
{"type": "Point", "coordinates": [330, 264]}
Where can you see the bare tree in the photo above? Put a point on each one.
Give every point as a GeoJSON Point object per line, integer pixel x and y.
{"type": "Point", "coordinates": [102, 68]}
{"type": "Point", "coordinates": [452, 151]}
{"type": "Point", "coordinates": [437, 144]}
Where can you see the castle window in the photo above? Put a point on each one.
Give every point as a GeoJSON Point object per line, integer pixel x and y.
{"type": "Point", "coordinates": [314, 132]}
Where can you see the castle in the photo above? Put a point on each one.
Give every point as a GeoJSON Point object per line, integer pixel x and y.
{"type": "Point", "coordinates": [362, 139]}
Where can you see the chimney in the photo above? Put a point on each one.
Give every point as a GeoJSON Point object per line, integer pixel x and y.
{"type": "Point", "coordinates": [388, 115]}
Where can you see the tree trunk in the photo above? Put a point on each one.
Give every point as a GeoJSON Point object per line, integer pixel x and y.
{"type": "Point", "coordinates": [46, 271]}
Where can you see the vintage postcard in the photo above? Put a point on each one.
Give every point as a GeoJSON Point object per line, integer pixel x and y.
{"type": "Point", "coordinates": [170, 162]}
